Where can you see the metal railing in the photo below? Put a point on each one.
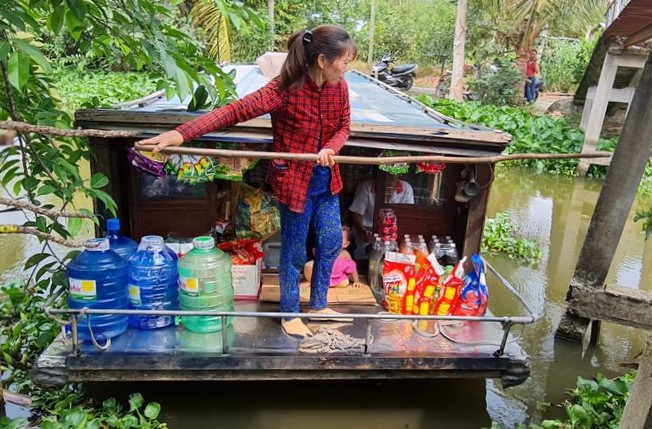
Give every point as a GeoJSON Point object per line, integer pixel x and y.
{"type": "Point", "coordinates": [76, 316]}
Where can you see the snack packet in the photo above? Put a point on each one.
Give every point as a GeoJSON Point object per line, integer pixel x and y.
{"type": "Point", "coordinates": [474, 293]}
{"type": "Point", "coordinates": [450, 291]}
{"type": "Point", "coordinates": [427, 288]}
{"type": "Point", "coordinates": [147, 162]}
{"type": "Point", "coordinates": [398, 273]}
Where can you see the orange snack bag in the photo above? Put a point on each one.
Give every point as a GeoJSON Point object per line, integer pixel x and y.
{"type": "Point", "coordinates": [426, 284]}
{"type": "Point", "coordinates": [398, 273]}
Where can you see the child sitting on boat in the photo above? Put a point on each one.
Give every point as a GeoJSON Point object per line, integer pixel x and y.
{"type": "Point", "coordinates": [344, 268]}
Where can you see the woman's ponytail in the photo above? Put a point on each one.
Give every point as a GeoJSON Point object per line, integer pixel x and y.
{"type": "Point", "coordinates": [293, 72]}
{"type": "Point", "coordinates": [304, 46]}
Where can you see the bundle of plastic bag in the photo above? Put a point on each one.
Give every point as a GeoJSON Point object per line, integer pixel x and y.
{"type": "Point", "coordinates": [473, 295]}
{"type": "Point", "coordinates": [257, 214]}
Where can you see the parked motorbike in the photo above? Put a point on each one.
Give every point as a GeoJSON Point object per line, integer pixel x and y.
{"type": "Point", "coordinates": [401, 77]}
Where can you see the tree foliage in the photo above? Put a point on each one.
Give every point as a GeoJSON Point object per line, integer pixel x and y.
{"type": "Point", "coordinates": [42, 175]}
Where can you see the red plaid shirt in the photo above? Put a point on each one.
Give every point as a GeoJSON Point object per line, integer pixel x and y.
{"type": "Point", "coordinates": [303, 121]}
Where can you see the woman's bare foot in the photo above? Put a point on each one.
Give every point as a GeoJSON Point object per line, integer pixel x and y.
{"type": "Point", "coordinates": [328, 311]}
{"type": "Point", "coordinates": [296, 328]}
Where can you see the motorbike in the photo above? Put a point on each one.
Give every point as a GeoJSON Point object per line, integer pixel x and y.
{"type": "Point", "coordinates": [401, 77]}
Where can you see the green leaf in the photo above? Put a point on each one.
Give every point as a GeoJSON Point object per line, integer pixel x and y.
{"type": "Point", "coordinates": [579, 416]}
{"type": "Point", "coordinates": [152, 410]}
{"type": "Point", "coordinates": [35, 260]}
{"type": "Point", "coordinates": [198, 99]}
{"type": "Point", "coordinates": [75, 417]}
{"type": "Point", "coordinates": [78, 7]}
{"type": "Point", "coordinates": [135, 401]}
{"type": "Point", "coordinates": [30, 183]}
{"type": "Point", "coordinates": [99, 180]}
{"type": "Point", "coordinates": [46, 190]}
{"type": "Point", "coordinates": [55, 19]}
{"type": "Point", "coordinates": [18, 71]}
{"type": "Point", "coordinates": [4, 50]}
{"type": "Point", "coordinates": [35, 54]}
{"type": "Point", "coordinates": [94, 424]}
{"type": "Point", "coordinates": [74, 226]}
{"type": "Point", "coordinates": [75, 27]}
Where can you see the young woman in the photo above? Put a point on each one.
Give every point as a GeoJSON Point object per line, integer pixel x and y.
{"type": "Point", "coordinates": [309, 106]}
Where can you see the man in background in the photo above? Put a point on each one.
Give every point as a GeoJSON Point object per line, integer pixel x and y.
{"type": "Point", "coordinates": [532, 83]}
{"type": "Point", "coordinates": [397, 191]}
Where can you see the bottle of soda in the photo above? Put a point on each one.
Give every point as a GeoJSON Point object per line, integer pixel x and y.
{"type": "Point", "coordinates": [205, 283]}
{"type": "Point", "coordinates": [98, 280]}
{"type": "Point", "coordinates": [153, 282]}
{"type": "Point", "coordinates": [123, 246]}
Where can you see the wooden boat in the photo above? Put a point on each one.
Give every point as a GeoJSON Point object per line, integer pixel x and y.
{"type": "Point", "coordinates": [255, 347]}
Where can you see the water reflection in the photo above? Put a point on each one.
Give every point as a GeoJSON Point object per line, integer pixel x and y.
{"type": "Point", "coordinates": [556, 212]}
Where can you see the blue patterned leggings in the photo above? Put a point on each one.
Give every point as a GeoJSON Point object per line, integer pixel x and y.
{"type": "Point", "coordinates": [322, 212]}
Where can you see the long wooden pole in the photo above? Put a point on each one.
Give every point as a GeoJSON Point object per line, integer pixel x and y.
{"type": "Point", "coordinates": [614, 203]}
{"type": "Point", "coordinates": [226, 153]}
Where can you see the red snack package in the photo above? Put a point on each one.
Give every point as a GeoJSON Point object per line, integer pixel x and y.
{"type": "Point", "coordinates": [451, 290]}
{"type": "Point", "coordinates": [398, 272]}
{"type": "Point", "coordinates": [426, 285]}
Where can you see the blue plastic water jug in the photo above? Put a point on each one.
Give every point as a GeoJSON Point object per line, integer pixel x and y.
{"type": "Point", "coordinates": [98, 280]}
{"type": "Point", "coordinates": [153, 282]}
{"type": "Point", "coordinates": [205, 284]}
{"type": "Point", "coordinates": [123, 246]}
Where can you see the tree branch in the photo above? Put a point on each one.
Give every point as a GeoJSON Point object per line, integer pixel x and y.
{"type": "Point", "coordinates": [49, 213]}
{"type": "Point", "coordinates": [38, 129]}
{"type": "Point", "coordinates": [17, 229]}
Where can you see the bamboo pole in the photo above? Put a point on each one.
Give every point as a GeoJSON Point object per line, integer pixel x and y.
{"type": "Point", "coordinates": [20, 126]}
{"type": "Point", "coordinates": [227, 153]}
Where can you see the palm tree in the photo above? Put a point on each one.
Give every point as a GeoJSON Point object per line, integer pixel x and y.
{"type": "Point", "coordinates": [218, 18]}
{"type": "Point", "coordinates": [517, 23]}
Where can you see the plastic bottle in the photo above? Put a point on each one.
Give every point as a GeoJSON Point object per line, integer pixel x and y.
{"type": "Point", "coordinates": [153, 282]}
{"type": "Point", "coordinates": [123, 246]}
{"type": "Point", "coordinates": [205, 284]}
{"type": "Point", "coordinates": [374, 262]}
{"type": "Point", "coordinates": [98, 280]}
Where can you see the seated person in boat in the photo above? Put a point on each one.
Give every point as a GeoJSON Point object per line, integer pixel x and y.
{"type": "Point", "coordinates": [397, 191]}
{"type": "Point", "coordinates": [344, 272]}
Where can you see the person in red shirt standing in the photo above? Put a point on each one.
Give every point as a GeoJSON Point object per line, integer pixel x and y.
{"type": "Point", "coordinates": [309, 106]}
{"type": "Point", "coordinates": [531, 72]}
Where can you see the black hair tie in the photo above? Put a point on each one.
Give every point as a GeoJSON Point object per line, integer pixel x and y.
{"type": "Point", "coordinates": [307, 36]}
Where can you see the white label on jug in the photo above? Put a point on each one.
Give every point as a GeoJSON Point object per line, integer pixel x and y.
{"type": "Point", "coordinates": [134, 294]}
{"type": "Point", "coordinates": [189, 284]}
{"type": "Point", "coordinates": [83, 290]}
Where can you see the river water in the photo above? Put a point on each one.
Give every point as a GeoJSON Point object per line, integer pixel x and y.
{"type": "Point", "coordinates": [556, 212]}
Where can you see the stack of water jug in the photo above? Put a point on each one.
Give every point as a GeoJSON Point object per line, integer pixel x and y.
{"type": "Point", "coordinates": [117, 273]}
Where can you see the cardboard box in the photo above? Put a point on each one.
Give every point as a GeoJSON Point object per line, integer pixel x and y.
{"type": "Point", "coordinates": [247, 280]}
{"type": "Point", "coordinates": [270, 292]}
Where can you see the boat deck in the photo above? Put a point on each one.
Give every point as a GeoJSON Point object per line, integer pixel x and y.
{"type": "Point", "coordinates": [257, 349]}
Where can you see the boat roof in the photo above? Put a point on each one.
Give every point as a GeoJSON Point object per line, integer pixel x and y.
{"type": "Point", "coordinates": [381, 117]}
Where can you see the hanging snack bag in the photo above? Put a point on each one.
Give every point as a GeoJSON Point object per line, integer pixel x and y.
{"type": "Point", "coordinates": [474, 293]}
{"type": "Point", "coordinates": [450, 290]}
{"type": "Point", "coordinates": [257, 214]}
{"type": "Point", "coordinates": [191, 169]}
{"type": "Point", "coordinates": [398, 273]}
{"type": "Point", "coordinates": [147, 162]}
{"type": "Point", "coordinates": [427, 289]}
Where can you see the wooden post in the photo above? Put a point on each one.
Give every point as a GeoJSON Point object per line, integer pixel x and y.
{"type": "Point", "coordinates": [598, 109]}
{"type": "Point", "coordinates": [614, 203]}
{"type": "Point", "coordinates": [638, 410]}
